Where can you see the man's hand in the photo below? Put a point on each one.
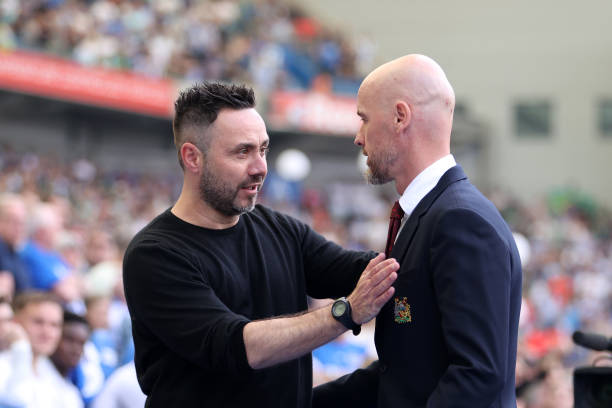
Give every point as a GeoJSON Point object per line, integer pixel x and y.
{"type": "Point", "coordinates": [373, 289]}
{"type": "Point", "coordinates": [273, 341]}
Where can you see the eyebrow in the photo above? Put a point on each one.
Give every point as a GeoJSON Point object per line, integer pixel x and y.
{"type": "Point", "coordinates": [240, 146]}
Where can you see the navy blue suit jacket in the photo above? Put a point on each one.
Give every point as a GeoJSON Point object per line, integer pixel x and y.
{"type": "Point", "coordinates": [448, 336]}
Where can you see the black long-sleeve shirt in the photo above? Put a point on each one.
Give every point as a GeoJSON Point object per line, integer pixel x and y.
{"type": "Point", "coordinates": [191, 290]}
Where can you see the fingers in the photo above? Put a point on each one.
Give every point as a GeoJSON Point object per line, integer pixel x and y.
{"type": "Point", "coordinates": [384, 297]}
{"type": "Point", "coordinates": [375, 261]}
{"type": "Point", "coordinates": [375, 265]}
{"type": "Point", "coordinates": [383, 270]}
{"type": "Point", "coordinates": [374, 288]}
{"type": "Point", "coordinates": [388, 276]}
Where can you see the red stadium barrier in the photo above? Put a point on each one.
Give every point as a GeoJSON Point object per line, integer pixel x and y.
{"type": "Point", "coordinates": [315, 112]}
{"type": "Point", "coordinates": [60, 79]}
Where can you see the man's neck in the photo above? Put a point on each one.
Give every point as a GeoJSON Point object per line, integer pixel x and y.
{"type": "Point", "coordinates": [412, 168]}
{"type": "Point", "coordinates": [195, 211]}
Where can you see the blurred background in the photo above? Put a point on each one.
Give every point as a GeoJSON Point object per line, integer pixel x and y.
{"type": "Point", "coordinates": [87, 159]}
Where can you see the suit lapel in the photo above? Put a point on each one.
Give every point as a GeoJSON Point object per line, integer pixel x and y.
{"type": "Point", "coordinates": [406, 235]}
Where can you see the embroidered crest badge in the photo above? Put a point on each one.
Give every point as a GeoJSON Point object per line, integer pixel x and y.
{"type": "Point", "coordinates": [401, 311]}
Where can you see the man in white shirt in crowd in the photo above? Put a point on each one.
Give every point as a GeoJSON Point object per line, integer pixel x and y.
{"type": "Point", "coordinates": [121, 390]}
{"type": "Point", "coordinates": [28, 378]}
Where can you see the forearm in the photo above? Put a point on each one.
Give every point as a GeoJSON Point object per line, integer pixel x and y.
{"type": "Point", "coordinates": [274, 341]}
{"type": "Point", "coordinates": [269, 342]}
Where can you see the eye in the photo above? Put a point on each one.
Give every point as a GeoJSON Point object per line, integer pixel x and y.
{"type": "Point", "coordinates": [264, 151]}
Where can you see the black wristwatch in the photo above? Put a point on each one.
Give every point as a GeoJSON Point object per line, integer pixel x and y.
{"type": "Point", "coordinates": [341, 311]}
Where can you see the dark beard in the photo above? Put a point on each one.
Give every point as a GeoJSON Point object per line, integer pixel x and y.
{"type": "Point", "coordinates": [222, 196]}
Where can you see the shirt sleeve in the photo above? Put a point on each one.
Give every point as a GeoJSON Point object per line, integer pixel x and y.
{"type": "Point", "coordinates": [170, 299]}
{"type": "Point", "coordinates": [331, 271]}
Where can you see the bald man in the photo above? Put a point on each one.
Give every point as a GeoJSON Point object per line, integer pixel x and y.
{"type": "Point", "coordinates": [448, 336]}
{"type": "Point", "coordinates": [13, 273]}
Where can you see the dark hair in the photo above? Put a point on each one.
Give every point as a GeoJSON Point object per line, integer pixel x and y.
{"type": "Point", "coordinates": [200, 105]}
{"type": "Point", "coordinates": [70, 317]}
{"type": "Point", "coordinates": [34, 297]}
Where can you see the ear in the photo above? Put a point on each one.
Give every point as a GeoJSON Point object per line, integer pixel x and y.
{"type": "Point", "coordinates": [192, 157]}
{"type": "Point", "coordinates": [403, 116]}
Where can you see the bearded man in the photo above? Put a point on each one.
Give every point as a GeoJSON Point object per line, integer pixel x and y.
{"type": "Point", "coordinates": [207, 280]}
{"type": "Point", "coordinates": [449, 336]}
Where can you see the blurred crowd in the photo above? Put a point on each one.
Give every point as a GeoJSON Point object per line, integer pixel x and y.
{"type": "Point", "coordinates": [270, 44]}
{"type": "Point", "coordinates": [565, 241]}
{"type": "Point", "coordinates": [65, 224]}
{"type": "Point", "coordinates": [63, 228]}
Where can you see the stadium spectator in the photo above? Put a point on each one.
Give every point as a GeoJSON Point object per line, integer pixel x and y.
{"type": "Point", "coordinates": [86, 375]}
{"type": "Point", "coordinates": [27, 377]}
{"type": "Point", "coordinates": [100, 247]}
{"type": "Point", "coordinates": [47, 269]}
{"type": "Point", "coordinates": [12, 235]}
{"type": "Point", "coordinates": [101, 336]}
{"type": "Point", "coordinates": [568, 236]}
{"type": "Point", "coordinates": [121, 390]}
{"type": "Point", "coordinates": [269, 44]}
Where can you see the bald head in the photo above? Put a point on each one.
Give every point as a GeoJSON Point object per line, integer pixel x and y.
{"type": "Point", "coordinates": [407, 109]}
{"type": "Point", "coordinates": [414, 78]}
{"type": "Point", "coordinates": [12, 219]}
{"type": "Point", "coordinates": [422, 84]}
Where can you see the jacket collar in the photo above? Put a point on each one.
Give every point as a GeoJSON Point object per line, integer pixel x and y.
{"type": "Point", "coordinates": [451, 176]}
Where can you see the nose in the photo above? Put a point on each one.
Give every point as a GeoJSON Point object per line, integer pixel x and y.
{"type": "Point", "coordinates": [259, 166]}
{"type": "Point", "coordinates": [358, 139]}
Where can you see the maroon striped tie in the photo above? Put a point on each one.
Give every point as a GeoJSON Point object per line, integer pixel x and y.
{"type": "Point", "coordinates": [394, 225]}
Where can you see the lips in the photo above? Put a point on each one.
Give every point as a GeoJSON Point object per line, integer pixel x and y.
{"type": "Point", "coordinates": [252, 187]}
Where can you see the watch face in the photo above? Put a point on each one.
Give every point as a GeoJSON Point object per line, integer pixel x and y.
{"type": "Point", "coordinates": [339, 309]}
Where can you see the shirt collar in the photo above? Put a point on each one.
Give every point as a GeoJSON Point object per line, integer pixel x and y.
{"type": "Point", "coordinates": [424, 183]}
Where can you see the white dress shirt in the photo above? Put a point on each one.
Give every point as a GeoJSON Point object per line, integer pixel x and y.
{"type": "Point", "coordinates": [423, 184]}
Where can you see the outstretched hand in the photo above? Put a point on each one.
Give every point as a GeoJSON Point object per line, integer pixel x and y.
{"type": "Point", "coordinates": [373, 289]}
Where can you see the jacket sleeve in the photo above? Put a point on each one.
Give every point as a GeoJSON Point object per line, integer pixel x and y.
{"type": "Point", "coordinates": [358, 389]}
{"type": "Point", "coordinates": [170, 299]}
{"type": "Point", "coordinates": [471, 270]}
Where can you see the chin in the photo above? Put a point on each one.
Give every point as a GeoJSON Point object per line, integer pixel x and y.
{"type": "Point", "coordinates": [238, 209]}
